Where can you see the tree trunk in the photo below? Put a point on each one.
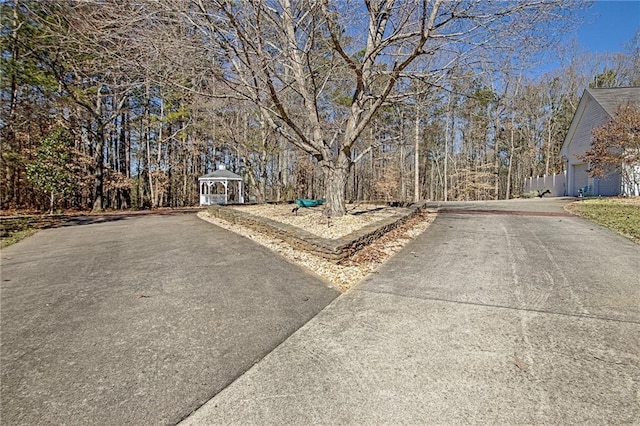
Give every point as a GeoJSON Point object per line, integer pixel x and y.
{"type": "Point", "coordinates": [156, 199]}
{"type": "Point", "coordinates": [336, 174]}
{"type": "Point", "coordinates": [416, 156]}
{"type": "Point", "coordinates": [147, 120]}
{"type": "Point", "coordinates": [98, 190]}
{"type": "Point", "coordinates": [510, 168]}
{"type": "Point", "coordinates": [446, 156]}
{"type": "Point", "coordinates": [253, 184]}
{"type": "Point", "coordinates": [549, 142]}
{"type": "Point", "coordinates": [152, 195]}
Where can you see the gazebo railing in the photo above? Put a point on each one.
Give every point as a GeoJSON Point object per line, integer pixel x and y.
{"type": "Point", "coordinates": [211, 199]}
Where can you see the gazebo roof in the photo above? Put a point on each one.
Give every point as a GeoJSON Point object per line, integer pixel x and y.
{"type": "Point", "coordinates": [221, 174]}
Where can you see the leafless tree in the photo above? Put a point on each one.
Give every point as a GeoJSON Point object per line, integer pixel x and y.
{"type": "Point", "coordinates": [320, 70]}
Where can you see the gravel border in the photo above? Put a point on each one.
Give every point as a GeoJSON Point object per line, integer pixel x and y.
{"type": "Point", "coordinates": [349, 270]}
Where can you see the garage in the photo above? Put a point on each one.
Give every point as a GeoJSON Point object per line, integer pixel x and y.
{"type": "Point", "coordinates": [580, 178]}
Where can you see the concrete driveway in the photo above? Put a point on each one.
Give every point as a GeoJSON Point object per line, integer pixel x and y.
{"type": "Point", "coordinates": [500, 313]}
{"type": "Point", "coordinates": [139, 320]}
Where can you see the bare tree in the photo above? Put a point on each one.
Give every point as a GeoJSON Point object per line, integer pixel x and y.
{"type": "Point", "coordinates": [306, 98]}
{"type": "Point", "coordinates": [85, 45]}
{"type": "Point", "coordinates": [616, 147]}
{"type": "Point", "coordinates": [320, 71]}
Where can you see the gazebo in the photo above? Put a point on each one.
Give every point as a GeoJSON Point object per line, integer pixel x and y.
{"type": "Point", "coordinates": [211, 186]}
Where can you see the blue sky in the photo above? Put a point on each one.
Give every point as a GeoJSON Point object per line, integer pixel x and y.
{"type": "Point", "coordinates": [609, 26]}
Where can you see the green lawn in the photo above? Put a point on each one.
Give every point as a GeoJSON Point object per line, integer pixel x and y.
{"type": "Point", "coordinates": [15, 236]}
{"type": "Point", "coordinates": [619, 214]}
{"type": "Point", "coordinates": [16, 229]}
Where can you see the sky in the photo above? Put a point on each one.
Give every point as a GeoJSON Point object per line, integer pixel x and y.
{"type": "Point", "coordinates": [610, 26]}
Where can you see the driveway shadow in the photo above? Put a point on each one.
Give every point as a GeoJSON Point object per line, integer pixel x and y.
{"type": "Point", "coordinates": [139, 319]}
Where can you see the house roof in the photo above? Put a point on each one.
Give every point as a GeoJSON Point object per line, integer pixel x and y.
{"type": "Point", "coordinates": [610, 99]}
{"type": "Point", "coordinates": [222, 174]}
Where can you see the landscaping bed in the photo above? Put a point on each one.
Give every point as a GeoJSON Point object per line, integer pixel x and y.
{"type": "Point", "coordinates": [341, 250]}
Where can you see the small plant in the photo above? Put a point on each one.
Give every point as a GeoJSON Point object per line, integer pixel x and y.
{"type": "Point", "coordinates": [50, 170]}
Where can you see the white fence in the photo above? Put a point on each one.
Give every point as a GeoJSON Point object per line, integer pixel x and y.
{"type": "Point", "coordinates": [557, 184]}
{"type": "Point", "coordinates": [212, 199]}
{"type": "Point", "coordinates": [631, 180]}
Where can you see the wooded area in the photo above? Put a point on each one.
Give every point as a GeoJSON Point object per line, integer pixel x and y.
{"type": "Point", "coordinates": [124, 104]}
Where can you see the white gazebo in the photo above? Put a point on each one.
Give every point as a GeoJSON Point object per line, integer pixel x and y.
{"type": "Point", "coordinates": [215, 189]}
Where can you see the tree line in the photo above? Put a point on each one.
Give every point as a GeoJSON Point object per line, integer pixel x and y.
{"type": "Point", "coordinates": [124, 104]}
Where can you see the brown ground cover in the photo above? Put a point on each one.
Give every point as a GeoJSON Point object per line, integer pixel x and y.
{"type": "Point", "coordinates": [347, 272]}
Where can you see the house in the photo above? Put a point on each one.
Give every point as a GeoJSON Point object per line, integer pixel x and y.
{"type": "Point", "coordinates": [596, 108]}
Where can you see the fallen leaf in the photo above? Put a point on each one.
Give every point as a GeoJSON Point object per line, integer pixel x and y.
{"type": "Point", "coordinates": [520, 363]}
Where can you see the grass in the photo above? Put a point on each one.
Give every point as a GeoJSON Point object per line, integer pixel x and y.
{"type": "Point", "coordinates": [619, 214]}
{"type": "Point", "coordinates": [18, 228]}
{"type": "Point", "coordinates": [15, 236]}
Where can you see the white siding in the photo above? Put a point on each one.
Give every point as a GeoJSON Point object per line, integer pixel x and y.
{"type": "Point", "coordinates": [581, 178]}
{"type": "Point", "coordinates": [592, 117]}
{"type": "Point", "coordinates": [589, 117]}
{"type": "Point", "coordinates": [609, 185]}
{"type": "Point", "coordinates": [596, 108]}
